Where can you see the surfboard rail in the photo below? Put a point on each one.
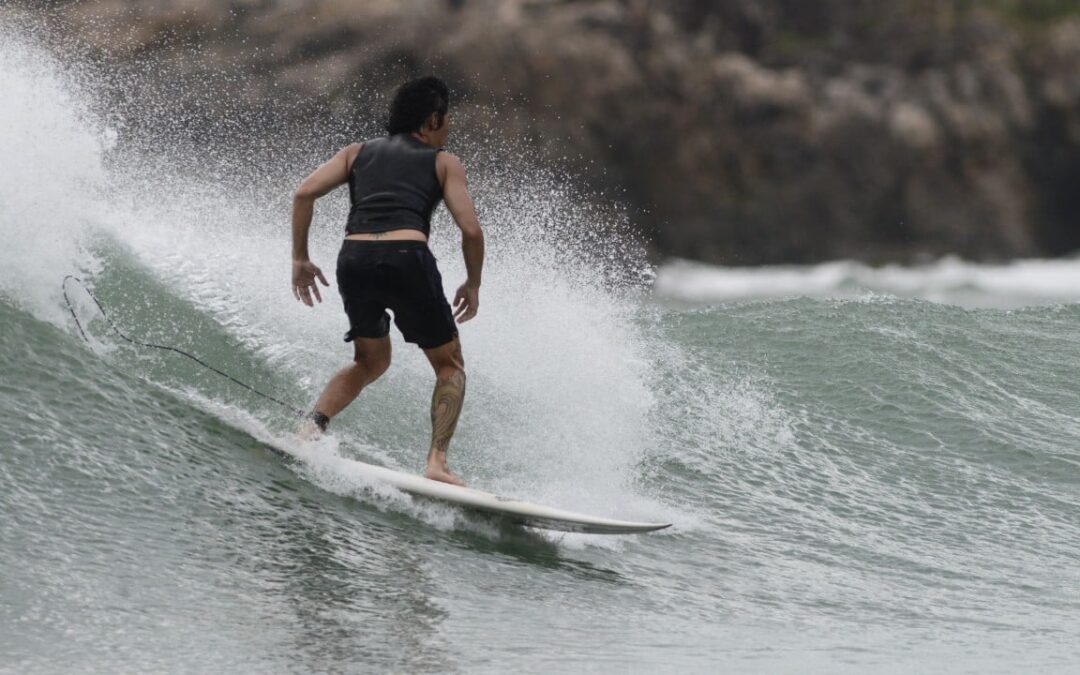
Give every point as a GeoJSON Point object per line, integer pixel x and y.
{"type": "Point", "coordinates": [522, 512]}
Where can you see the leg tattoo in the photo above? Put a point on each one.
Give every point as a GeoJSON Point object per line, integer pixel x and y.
{"type": "Point", "coordinates": [445, 408]}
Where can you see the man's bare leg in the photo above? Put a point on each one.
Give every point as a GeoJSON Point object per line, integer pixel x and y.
{"type": "Point", "coordinates": [446, 404]}
{"type": "Point", "coordinates": [371, 358]}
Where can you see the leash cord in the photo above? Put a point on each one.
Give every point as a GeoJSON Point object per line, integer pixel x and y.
{"type": "Point", "coordinates": [119, 332]}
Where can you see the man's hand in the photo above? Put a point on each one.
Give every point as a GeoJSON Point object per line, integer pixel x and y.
{"type": "Point", "coordinates": [466, 302]}
{"type": "Point", "coordinates": [304, 273]}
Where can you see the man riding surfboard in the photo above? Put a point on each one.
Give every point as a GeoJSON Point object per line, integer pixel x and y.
{"type": "Point", "coordinates": [395, 182]}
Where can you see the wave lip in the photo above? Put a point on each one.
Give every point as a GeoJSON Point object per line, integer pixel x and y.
{"type": "Point", "coordinates": [949, 280]}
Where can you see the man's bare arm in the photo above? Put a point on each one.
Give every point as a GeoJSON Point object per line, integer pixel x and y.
{"type": "Point", "coordinates": [333, 173]}
{"type": "Point", "coordinates": [456, 195]}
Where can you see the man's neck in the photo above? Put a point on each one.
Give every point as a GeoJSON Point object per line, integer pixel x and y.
{"type": "Point", "coordinates": [423, 138]}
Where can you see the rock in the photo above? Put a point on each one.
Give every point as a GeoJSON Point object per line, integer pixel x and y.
{"type": "Point", "coordinates": [740, 131]}
{"type": "Point", "coordinates": [913, 126]}
{"type": "Point", "coordinates": [756, 89]}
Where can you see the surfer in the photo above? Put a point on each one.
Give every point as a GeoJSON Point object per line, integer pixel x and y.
{"type": "Point", "coordinates": [395, 182]}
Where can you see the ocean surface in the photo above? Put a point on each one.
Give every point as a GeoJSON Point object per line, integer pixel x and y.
{"type": "Point", "coordinates": [869, 470]}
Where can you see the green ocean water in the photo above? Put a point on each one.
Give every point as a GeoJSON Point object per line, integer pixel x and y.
{"type": "Point", "coordinates": [859, 480]}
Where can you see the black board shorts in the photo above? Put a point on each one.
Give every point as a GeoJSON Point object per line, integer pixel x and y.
{"type": "Point", "coordinates": [374, 276]}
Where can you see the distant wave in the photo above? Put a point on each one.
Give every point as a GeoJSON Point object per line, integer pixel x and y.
{"type": "Point", "coordinates": [950, 281]}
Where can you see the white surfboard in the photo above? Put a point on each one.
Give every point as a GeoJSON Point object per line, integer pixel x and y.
{"type": "Point", "coordinates": [526, 513]}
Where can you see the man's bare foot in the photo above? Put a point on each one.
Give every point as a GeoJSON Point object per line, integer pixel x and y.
{"type": "Point", "coordinates": [308, 431]}
{"type": "Point", "coordinates": [439, 471]}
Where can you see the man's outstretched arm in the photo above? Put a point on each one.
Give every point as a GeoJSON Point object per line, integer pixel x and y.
{"type": "Point", "coordinates": [333, 173]}
{"type": "Point", "coordinates": [456, 195]}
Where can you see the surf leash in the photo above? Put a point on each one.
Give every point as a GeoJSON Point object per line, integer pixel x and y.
{"type": "Point", "coordinates": [204, 364]}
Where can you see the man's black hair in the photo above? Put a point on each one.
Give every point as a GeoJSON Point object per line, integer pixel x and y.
{"type": "Point", "coordinates": [415, 101]}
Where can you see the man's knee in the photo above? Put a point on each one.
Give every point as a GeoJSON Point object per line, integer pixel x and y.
{"type": "Point", "coordinates": [373, 364]}
{"type": "Point", "coordinates": [450, 370]}
{"type": "Point", "coordinates": [447, 358]}
{"type": "Point", "coordinates": [374, 359]}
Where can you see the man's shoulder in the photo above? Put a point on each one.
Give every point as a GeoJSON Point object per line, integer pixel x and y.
{"type": "Point", "coordinates": [352, 151]}
{"type": "Point", "coordinates": [448, 160]}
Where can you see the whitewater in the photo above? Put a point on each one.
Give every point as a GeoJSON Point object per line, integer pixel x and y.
{"type": "Point", "coordinates": [868, 469]}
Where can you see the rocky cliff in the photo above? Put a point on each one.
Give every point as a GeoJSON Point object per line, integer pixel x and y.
{"type": "Point", "coordinates": [739, 131]}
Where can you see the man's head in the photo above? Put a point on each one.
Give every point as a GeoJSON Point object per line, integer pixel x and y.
{"type": "Point", "coordinates": [421, 106]}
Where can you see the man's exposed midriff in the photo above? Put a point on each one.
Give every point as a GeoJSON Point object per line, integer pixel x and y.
{"type": "Point", "coordinates": [406, 234]}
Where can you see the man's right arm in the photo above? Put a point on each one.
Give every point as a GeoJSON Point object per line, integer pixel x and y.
{"type": "Point", "coordinates": [322, 180]}
{"type": "Point", "coordinates": [456, 195]}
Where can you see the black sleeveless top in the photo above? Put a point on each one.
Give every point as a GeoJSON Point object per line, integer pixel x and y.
{"type": "Point", "coordinates": [393, 185]}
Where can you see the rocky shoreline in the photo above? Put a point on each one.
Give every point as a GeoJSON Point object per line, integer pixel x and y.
{"type": "Point", "coordinates": [739, 132]}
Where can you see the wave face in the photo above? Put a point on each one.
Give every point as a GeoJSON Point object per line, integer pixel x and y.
{"type": "Point", "coordinates": [867, 484]}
